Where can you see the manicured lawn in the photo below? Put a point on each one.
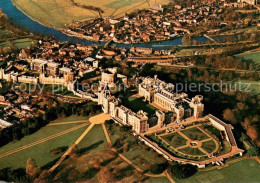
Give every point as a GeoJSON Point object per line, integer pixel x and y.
{"type": "Point", "coordinates": [195, 134]}
{"type": "Point", "coordinates": [158, 180]}
{"type": "Point", "coordinates": [213, 130]}
{"type": "Point", "coordinates": [175, 140]}
{"type": "Point", "coordinates": [209, 146]}
{"type": "Point", "coordinates": [95, 139]}
{"type": "Point", "coordinates": [136, 104]}
{"type": "Point", "coordinates": [191, 151]}
{"type": "Point", "coordinates": [239, 172]}
{"type": "Point", "coordinates": [42, 133]}
{"type": "Point", "coordinates": [39, 152]}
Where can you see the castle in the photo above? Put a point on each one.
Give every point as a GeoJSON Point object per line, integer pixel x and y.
{"type": "Point", "coordinates": [49, 73]}
{"type": "Point", "coordinates": [155, 92]}
{"type": "Point", "coordinates": [161, 94]}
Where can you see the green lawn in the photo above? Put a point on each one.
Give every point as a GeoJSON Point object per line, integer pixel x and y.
{"type": "Point", "coordinates": [136, 104]}
{"type": "Point", "coordinates": [255, 57]}
{"type": "Point", "coordinates": [191, 151]}
{"type": "Point", "coordinates": [39, 152]}
{"type": "Point", "coordinates": [143, 158]}
{"type": "Point", "coordinates": [175, 140]}
{"type": "Point", "coordinates": [213, 130]}
{"type": "Point", "coordinates": [158, 180]}
{"type": "Point", "coordinates": [23, 43]}
{"type": "Point", "coordinates": [42, 133]}
{"type": "Point", "coordinates": [141, 155]}
{"type": "Point", "coordinates": [95, 139]}
{"type": "Point", "coordinates": [4, 45]}
{"type": "Point", "coordinates": [248, 86]}
{"type": "Point", "coordinates": [239, 172]}
{"type": "Point", "coordinates": [195, 134]}
{"type": "Point", "coordinates": [71, 118]}
{"type": "Point", "coordinates": [209, 146]}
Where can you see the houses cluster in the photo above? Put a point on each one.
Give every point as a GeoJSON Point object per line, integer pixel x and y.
{"type": "Point", "coordinates": [52, 63]}
{"type": "Point", "coordinates": [17, 107]}
{"type": "Point", "coordinates": [156, 24]}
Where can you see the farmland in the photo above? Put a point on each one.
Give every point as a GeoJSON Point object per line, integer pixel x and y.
{"type": "Point", "coordinates": [59, 13]}
{"type": "Point", "coordinates": [11, 40]}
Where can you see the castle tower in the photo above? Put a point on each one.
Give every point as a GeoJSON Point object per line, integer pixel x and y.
{"type": "Point", "coordinates": [161, 118]}
{"type": "Point", "coordinates": [197, 105]}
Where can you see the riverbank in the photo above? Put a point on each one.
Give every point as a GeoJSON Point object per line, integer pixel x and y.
{"type": "Point", "coordinates": [60, 35]}
{"type": "Point", "coordinates": [39, 22]}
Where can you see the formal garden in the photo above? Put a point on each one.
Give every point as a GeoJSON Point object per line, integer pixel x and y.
{"type": "Point", "coordinates": [194, 142]}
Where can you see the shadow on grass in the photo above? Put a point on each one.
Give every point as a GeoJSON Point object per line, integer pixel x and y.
{"type": "Point", "coordinates": [88, 148]}
{"type": "Point", "coordinates": [124, 172]}
{"type": "Point", "coordinates": [90, 173]}
{"type": "Point", "coordinates": [106, 162]}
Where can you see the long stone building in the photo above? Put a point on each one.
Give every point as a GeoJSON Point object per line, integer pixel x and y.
{"type": "Point", "coordinates": [162, 95]}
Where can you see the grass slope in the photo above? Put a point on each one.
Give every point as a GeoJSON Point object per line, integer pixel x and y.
{"type": "Point", "coordinates": [58, 13]}
{"type": "Point", "coordinates": [39, 152]}
{"type": "Point", "coordinates": [242, 171]}
{"type": "Point", "coordinates": [255, 56]}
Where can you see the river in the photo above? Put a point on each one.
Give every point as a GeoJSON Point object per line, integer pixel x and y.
{"type": "Point", "coordinates": [19, 17]}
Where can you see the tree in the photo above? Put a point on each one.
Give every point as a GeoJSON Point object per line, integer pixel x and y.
{"type": "Point", "coordinates": [228, 115]}
{"type": "Point", "coordinates": [183, 171]}
{"type": "Point", "coordinates": [252, 133]}
{"type": "Point", "coordinates": [158, 168]}
{"type": "Point", "coordinates": [253, 151]}
{"type": "Point", "coordinates": [31, 168]}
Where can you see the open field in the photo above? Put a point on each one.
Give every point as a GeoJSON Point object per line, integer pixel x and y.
{"type": "Point", "coordinates": [95, 139]}
{"type": "Point", "coordinates": [249, 86]}
{"type": "Point", "coordinates": [9, 39]}
{"type": "Point", "coordinates": [39, 152]}
{"type": "Point", "coordinates": [254, 56]}
{"type": "Point", "coordinates": [70, 118]}
{"type": "Point", "coordinates": [59, 13]}
{"type": "Point", "coordinates": [242, 171]}
{"type": "Point", "coordinates": [139, 154]}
